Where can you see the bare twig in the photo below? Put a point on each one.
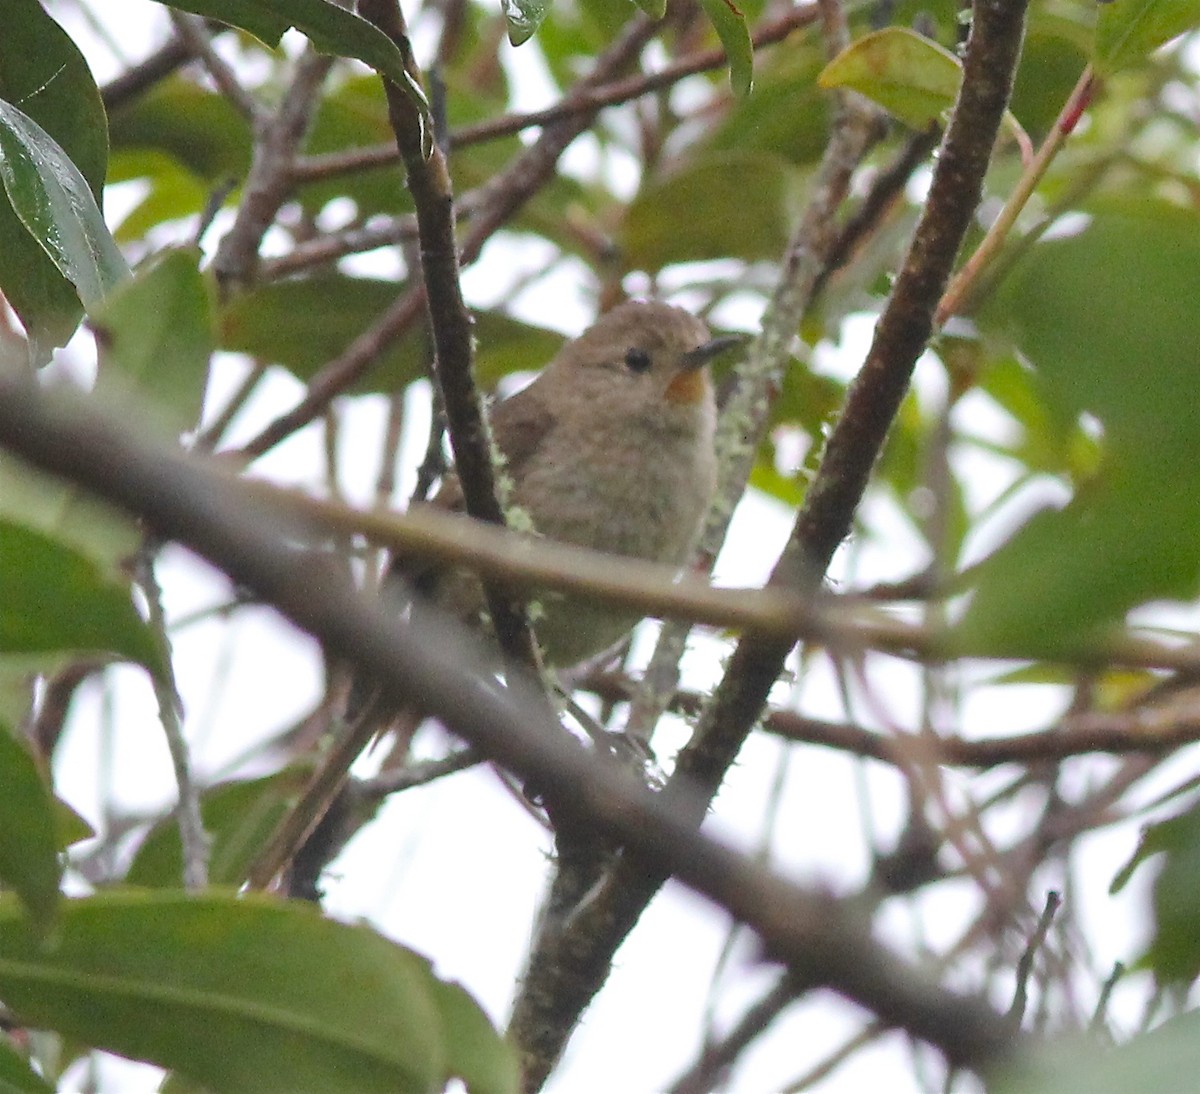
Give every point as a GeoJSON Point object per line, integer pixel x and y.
{"type": "Point", "coordinates": [470, 438]}
{"type": "Point", "coordinates": [194, 840]}
{"type": "Point", "coordinates": [195, 35]}
{"type": "Point", "coordinates": [1025, 966]}
{"type": "Point", "coordinates": [499, 200]}
{"type": "Point", "coordinates": [855, 128]}
{"type": "Point", "coordinates": [958, 295]}
{"type": "Point", "coordinates": [277, 137]}
{"type": "Point", "coordinates": [1144, 729]}
{"type": "Point", "coordinates": [1099, 1021]}
{"type": "Point", "coordinates": [143, 76]}
{"type": "Point", "coordinates": [709, 1070]}
{"type": "Point", "coordinates": [586, 100]}
{"type": "Point", "coordinates": [418, 774]}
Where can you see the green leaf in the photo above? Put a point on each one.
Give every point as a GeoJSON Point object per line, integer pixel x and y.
{"type": "Point", "coordinates": [171, 191]}
{"type": "Point", "coordinates": [53, 201]}
{"type": "Point", "coordinates": [286, 999]}
{"type": "Point", "coordinates": [156, 337]}
{"type": "Point", "coordinates": [523, 17]}
{"type": "Point", "coordinates": [481, 1059]}
{"type": "Point", "coordinates": [303, 324]}
{"type": "Point", "coordinates": [730, 25]}
{"type": "Point", "coordinates": [1128, 31]}
{"type": "Point", "coordinates": [331, 28]}
{"type": "Point", "coordinates": [1132, 533]}
{"type": "Point", "coordinates": [69, 826]}
{"type": "Point", "coordinates": [910, 76]}
{"type": "Point", "coordinates": [788, 115]}
{"type": "Point", "coordinates": [1166, 1061]}
{"type": "Point", "coordinates": [1068, 306]}
{"type": "Point", "coordinates": [44, 74]}
{"type": "Point", "coordinates": [29, 848]}
{"type": "Point", "coordinates": [31, 497]}
{"type": "Point", "coordinates": [54, 598]}
{"type": "Point", "coordinates": [16, 1076]}
{"type": "Point", "coordinates": [238, 816]}
{"type": "Point", "coordinates": [1174, 953]}
{"type": "Point", "coordinates": [701, 212]}
{"type": "Point", "coordinates": [198, 128]}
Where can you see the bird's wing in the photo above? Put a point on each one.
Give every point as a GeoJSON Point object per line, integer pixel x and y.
{"type": "Point", "coordinates": [519, 425]}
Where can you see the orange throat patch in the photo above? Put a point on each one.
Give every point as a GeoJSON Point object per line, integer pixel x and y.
{"type": "Point", "coordinates": [688, 387]}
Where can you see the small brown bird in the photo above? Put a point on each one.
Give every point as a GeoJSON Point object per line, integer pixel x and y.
{"type": "Point", "coordinates": [610, 447]}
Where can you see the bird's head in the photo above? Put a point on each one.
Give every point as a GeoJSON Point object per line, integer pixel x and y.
{"type": "Point", "coordinates": [642, 357]}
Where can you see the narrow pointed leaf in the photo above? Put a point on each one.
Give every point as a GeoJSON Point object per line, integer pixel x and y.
{"type": "Point", "coordinates": [43, 73]}
{"type": "Point", "coordinates": [730, 25]}
{"type": "Point", "coordinates": [29, 847]}
{"type": "Point", "coordinates": [56, 206]}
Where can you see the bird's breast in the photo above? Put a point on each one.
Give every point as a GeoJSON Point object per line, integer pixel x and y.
{"type": "Point", "coordinates": [636, 494]}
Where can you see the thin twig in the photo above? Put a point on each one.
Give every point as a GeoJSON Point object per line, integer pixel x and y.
{"type": "Point", "coordinates": [194, 840]}
{"type": "Point", "coordinates": [195, 35]}
{"type": "Point", "coordinates": [499, 200]}
{"type": "Point", "coordinates": [277, 138]}
{"type": "Point", "coordinates": [1025, 966]}
{"type": "Point", "coordinates": [141, 77]}
{"type": "Point", "coordinates": [957, 297]}
{"type": "Point", "coordinates": [710, 1069]}
{"type": "Point", "coordinates": [429, 183]}
{"type": "Point", "coordinates": [586, 100]}
{"type": "Point", "coordinates": [855, 128]}
{"type": "Point", "coordinates": [418, 774]}
{"type": "Point", "coordinates": [1099, 1020]}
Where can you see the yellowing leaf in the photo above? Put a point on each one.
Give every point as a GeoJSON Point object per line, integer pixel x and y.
{"type": "Point", "coordinates": [904, 72]}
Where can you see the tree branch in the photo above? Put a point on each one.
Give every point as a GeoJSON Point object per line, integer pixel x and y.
{"type": "Point", "coordinates": [454, 359]}
{"type": "Point", "coordinates": [499, 200]}
{"type": "Point", "coordinates": [574, 968]}
{"type": "Point", "coordinates": [178, 500]}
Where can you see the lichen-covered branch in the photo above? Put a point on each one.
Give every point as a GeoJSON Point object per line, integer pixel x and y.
{"type": "Point", "coordinates": [573, 965]}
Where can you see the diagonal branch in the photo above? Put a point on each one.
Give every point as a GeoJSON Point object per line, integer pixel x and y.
{"type": "Point", "coordinates": [575, 967]}
{"type": "Point", "coordinates": [179, 500]}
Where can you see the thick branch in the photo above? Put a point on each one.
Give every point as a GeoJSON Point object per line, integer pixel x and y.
{"type": "Point", "coordinates": [577, 966]}
{"type": "Point", "coordinates": [178, 500]}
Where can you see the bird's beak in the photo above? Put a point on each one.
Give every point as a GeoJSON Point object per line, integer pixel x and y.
{"type": "Point", "coordinates": [691, 385]}
{"type": "Point", "coordinates": [714, 347]}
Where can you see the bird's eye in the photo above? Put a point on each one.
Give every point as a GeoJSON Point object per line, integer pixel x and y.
{"type": "Point", "coordinates": [637, 360]}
